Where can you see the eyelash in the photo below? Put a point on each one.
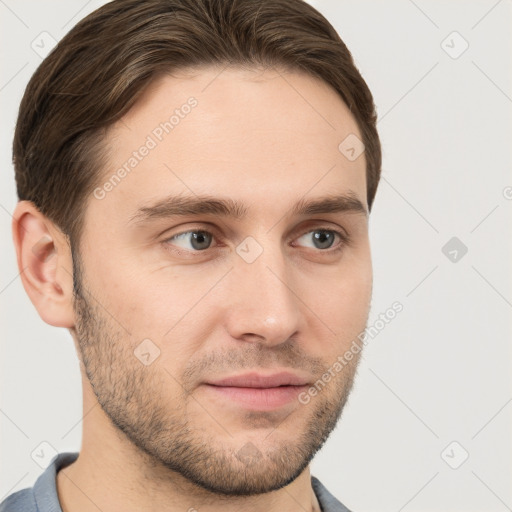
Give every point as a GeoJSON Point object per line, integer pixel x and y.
{"type": "Point", "coordinates": [344, 240]}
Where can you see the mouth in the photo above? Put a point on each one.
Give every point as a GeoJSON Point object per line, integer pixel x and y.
{"type": "Point", "coordinates": [263, 399]}
{"type": "Point", "coordinates": [258, 391]}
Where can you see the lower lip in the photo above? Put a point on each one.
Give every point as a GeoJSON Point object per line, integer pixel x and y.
{"type": "Point", "coordinates": [263, 399]}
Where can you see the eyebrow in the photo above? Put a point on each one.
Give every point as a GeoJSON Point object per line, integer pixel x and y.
{"type": "Point", "coordinates": [172, 206]}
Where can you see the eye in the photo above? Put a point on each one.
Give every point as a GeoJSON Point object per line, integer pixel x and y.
{"type": "Point", "coordinates": [199, 241]}
{"type": "Point", "coordinates": [324, 238]}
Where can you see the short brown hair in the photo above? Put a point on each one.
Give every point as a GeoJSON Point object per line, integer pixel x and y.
{"type": "Point", "coordinates": [99, 69]}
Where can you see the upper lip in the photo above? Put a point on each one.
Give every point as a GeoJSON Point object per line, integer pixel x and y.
{"type": "Point", "coordinates": [259, 380]}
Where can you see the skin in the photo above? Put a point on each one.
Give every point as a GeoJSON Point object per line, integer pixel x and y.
{"type": "Point", "coordinates": [154, 437]}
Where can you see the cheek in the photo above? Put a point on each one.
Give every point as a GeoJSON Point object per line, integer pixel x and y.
{"type": "Point", "coordinates": [134, 296]}
{"type": "Point", "coordinates": [158, 306]}
{"type": "Point", "coordinates": [343, 301]}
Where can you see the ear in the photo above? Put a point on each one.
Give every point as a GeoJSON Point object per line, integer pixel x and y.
{"type": "Point", "coordinates": [45, 264]}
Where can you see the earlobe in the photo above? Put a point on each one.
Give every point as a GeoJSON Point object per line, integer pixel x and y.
{"type": "Point", "coordinates": [45, 264]}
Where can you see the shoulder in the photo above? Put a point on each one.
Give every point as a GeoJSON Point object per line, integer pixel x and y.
{"type": "Point", "coordinates": [42, 496]}
{"type": "Point", "coordinates": [327, 501]}
{"type": "Point", "coordinates": [20, 501]}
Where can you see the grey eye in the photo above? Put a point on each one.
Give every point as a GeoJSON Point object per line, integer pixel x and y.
{"type": "Point", "coordinates": [199, 241]}
{"type": "Point", "coordinates": [322, 238]}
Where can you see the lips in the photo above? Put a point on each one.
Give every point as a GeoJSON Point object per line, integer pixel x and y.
{"type": "Point", "coordinates": [257, 391]}
{"type": "Point", "coordinates": [258, 380]}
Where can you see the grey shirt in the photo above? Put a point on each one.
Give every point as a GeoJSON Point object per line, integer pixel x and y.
{"type": "Point", "coordinates": [42, 497]}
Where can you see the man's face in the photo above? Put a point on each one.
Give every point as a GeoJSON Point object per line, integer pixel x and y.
{"type": "Point", "coordinates": [168, 303]}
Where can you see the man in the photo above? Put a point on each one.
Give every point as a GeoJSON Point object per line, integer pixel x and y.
{"type": "Point", "coordinates": [195, 179]}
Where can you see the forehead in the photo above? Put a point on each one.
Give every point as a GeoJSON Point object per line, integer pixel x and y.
{"type": "Point", "coordinates": [253, 134]}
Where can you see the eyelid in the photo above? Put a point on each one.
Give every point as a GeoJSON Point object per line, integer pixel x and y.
{"type": "Point", "coordinates": [210, 230]}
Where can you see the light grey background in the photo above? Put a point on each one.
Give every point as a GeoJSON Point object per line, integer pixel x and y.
{"type": "Point", "coordinates": [440, 372]}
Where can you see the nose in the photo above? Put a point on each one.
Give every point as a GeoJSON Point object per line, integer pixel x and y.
{"type": "Point", "coordinates": [262, 304]}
